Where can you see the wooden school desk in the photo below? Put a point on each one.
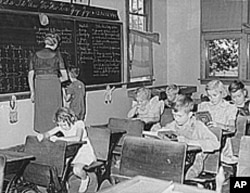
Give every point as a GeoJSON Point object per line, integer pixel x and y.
{"type": "Point", "coordinates": [70, 152]}
{"type": "Point", "coordinates": [225, 135]}
{"type": "Point", "coordinates": [73, 147]}
{"type": "Point", "coordinates": [192, 150]}
{"type": "Point", "coordinates": [142, 184]}
{"type": "Point", "coordinates": [58, 155]}
{"type": "Point", "coordinates": [15, 165]}
{"type": "Point", "coordinates": [116, 134]}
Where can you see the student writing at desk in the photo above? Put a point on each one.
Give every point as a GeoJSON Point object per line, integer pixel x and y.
{"type": "Point", "coordinates": [73, 130]}
{"type": "Point", "coordinates": [191, 131]}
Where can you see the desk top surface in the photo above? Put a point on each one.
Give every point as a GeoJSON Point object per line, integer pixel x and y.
{"type": "Point", "coordinates": [228, 133]}
{"type": "Point", "coordinates": [72, 143]}
{"type": "Point", "coordinates": [13, 156]}
{"type": "Point", "coordinates": [113, 130]}
{"type": "Point", "coordinates": [144, 184]}
{"type": "Point", "coordinates": [190, 148]}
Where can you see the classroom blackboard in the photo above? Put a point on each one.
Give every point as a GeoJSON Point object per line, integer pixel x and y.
{"type": "Point", "coordinates": [93, 45]}
{"type": "Point", "coordinates": [99, 52]}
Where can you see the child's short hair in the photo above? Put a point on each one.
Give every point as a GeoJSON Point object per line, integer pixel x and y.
{"type": "Point", "coordinates": [74, 71]}
{"type": "Point", "coordinates": [216, 85]}
{"type": "Point", "coordinates": [183, 102]}
{"type": "Point", "coordinates": [144, 93]}
{"type": "Point", "coordinates": [173, 89]}
{"type": "Point", "coordinates": [65, 114]}
{"type": "Point", "coordinates": [235, 86]}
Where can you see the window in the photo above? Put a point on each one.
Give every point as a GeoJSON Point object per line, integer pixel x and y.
{"type": "Point", "coordinates": [140, 67]}
{"type": "Point", "coordinates": [223, 56]}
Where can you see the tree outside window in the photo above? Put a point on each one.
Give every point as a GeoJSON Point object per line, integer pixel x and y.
{"type": "Point", "coordinates": [223, 57]}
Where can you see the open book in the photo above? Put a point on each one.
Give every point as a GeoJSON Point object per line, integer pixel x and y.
{"type": "Point", "coordinates": [204, 116]}
{"type": "Point", "coordinates": [151, 134]}
{"type": "Point", "coordinates": [165, 135]}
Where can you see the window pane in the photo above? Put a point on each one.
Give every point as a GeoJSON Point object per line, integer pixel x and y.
{"type": "Point", "coordinates": [139, 48]}
{"type": "Point", "coordinates": [140, 60]}
{"type": "Point", "coordinates": [137, 22]}
{"type": "Point", "coordinates": [223, 57]}
{"type": "Point", "coordinates": [136, 6]}
{"type": "Point", "coordinates": [141, 6]}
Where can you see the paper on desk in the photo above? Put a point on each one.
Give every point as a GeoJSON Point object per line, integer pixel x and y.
{"type": "Point", "coordinates": [151, 134]}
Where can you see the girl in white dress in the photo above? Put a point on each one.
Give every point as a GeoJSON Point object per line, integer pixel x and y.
{"type": "Point", "coordinates": [73, 130]}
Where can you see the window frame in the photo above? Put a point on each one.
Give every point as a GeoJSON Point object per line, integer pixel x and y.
{"type": "Point", "coordinates": [243, 68]}
{"type": "Point", "coordinates": [144, 80]}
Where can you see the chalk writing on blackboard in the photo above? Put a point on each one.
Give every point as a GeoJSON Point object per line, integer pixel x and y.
{"type": "Point", "coordinates": [48, 6]}
{"type": "Point", "coordinates": [99, 50]}
{"type": "Point", "coordinates": [94, 46]}
{"type": "Point", "coordinates": [13, 67]}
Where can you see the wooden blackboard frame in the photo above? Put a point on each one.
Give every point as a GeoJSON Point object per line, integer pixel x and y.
{"type": "Point", "coordinates": [22, 95]}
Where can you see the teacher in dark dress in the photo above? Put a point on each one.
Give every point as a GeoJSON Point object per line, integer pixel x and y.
{"type": "Point", "coordinates": [46, 72]}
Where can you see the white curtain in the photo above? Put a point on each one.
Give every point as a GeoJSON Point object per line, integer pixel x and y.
{"type": "Point", "coordinates": [141, 56]}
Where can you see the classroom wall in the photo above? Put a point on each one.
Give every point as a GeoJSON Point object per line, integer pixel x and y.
{"type": "Point", "coordinates": [176, 60]}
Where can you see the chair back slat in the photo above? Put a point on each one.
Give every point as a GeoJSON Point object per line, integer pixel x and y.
{"type": "Point", "coordinates": [153, 158]}
{"type": "Point", "coordinates": [132, 127]}
{"type": "Point", "coordinates": [100, 140]}
{"type": "Point", "coordinates": [241, 126]}
{"type": "Point", "coordinates": [212, 161]}
{"type": "Point", "coordinates": [2, 168]}
{"type": "Point", "coordinates": [244, 157]}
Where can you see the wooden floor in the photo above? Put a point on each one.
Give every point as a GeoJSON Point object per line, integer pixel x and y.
{"type": "Point", "coordinates": [74, 184]}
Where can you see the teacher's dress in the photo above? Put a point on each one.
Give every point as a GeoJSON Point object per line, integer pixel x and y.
{"type": "Point", "coordinates": [46, 64]}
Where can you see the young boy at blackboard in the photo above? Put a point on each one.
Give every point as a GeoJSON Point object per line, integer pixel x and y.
{"type": "Point", "coordinates": [75, 93]}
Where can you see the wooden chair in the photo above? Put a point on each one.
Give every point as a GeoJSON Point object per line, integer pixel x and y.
{"type": "Point", "coordinates": [100, 139]}
{"type": "Point", "coordinates": [49, 166]}
{"type": "Point", "coordinates": [241, 126]}
{"type": "Point", "coordinates": [132, 128]}
{"type": "Point", "coordinates": [243, 167]}
{"type": "Point", "coordinates": [152, 158]}
{"type": "Point", "coordinates": [2, 167]}
{"type": "Point", "coordinates": [211, 166]}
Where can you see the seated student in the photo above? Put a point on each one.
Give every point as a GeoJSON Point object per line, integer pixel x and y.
{"type": "Point", "coordinates": [146, 108]}
{"type": "Point", "coordinates": [169, 97]}
{"type": "Point", "coordinates": [239, 97]}
{"type": "Point", "coordinates": [73, 130]}
{"type": "Point", "coordinates": [223, 115]}
{"type": "Point", "coordinates": [190, 131]}
{"type": "Point", "coordinates": [172, 92]}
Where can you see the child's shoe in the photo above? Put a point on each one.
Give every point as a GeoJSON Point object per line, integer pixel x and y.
{"type": "Point", "coordinates": [84, 185]}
